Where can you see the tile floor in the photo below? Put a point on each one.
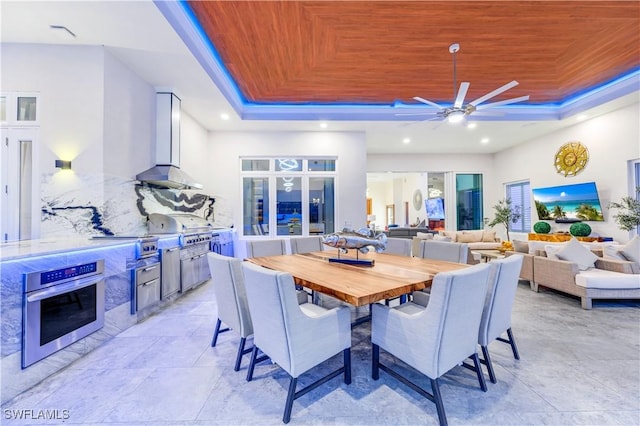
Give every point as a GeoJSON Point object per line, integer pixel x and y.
{"type": "Point", "coordinates": [577, 367]}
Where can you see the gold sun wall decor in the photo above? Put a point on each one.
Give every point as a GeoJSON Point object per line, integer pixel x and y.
{"type": "Point", "coordinates": [571, 159]}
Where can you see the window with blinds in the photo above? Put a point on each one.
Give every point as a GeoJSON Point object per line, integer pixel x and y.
{"type": "Point", "coordinates": [520, 195]}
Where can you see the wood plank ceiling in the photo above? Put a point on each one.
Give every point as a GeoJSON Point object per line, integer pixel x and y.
{"type": "Point", "coordinates": [382, 51]}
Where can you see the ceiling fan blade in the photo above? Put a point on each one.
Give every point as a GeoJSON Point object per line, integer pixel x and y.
{"type": "Point", "coordinates": [494, 93]}
{"type": "Point", "coordinates": [462, 92]}
{"type": "Point", "coordinates": [424, 101]}
{"type": "Point", "coordinates": [505, 102]}
{"type": "Point", "coordinates": [416, 113]}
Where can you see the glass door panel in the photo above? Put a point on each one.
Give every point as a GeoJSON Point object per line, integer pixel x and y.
{"type": "Point", "coordinates": [289, 205]}
{"type": "Point", "coordinates": [255, 209]}
{"type": "Point", "coordinates": [469, 201]}
{"type": "Point", "coordinates": [321, 205]}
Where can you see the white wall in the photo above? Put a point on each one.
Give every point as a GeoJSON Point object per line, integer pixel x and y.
{"type": "Point", "coordinates": [612, 140]}
{"type": "Point", "coordinates": [194, 145]}
{"type": "Point", "coordinates": [129, 117]}
{"type": "Point", "coordinates": [70, 82]}
{"type": "Point", "coordinates": [349, 147]}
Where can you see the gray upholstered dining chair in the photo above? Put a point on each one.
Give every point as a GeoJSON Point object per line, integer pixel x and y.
{"type": "Point", "coordinates": [231, 298]}
{"type": "Point", "coordinates": [295, 337]}
{"type": "Point", "coordinates": [496, 316]}
{"type": "Point", "coordinates": [444, 250]}
{"type": "Point", "coordinates": [398, 246]}
{"type": "Point", "coordinates": [305, 244]}
{"type": "Point", "coordinates": [266, 247]}
{"type": "Point", "coordinates": [436, 338]}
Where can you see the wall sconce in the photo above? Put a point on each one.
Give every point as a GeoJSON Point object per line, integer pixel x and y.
{"type": "Point", "coordinates": [64, 165]}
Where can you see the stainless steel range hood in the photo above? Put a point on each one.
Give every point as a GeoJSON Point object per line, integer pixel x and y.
{"type": "Point", "coordinates": [167, 173]}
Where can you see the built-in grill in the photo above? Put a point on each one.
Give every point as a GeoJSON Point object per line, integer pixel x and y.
{"type": "Point", "coordinates": [145, 270]}
{"type": "Point", "coordinates": [195, 237]}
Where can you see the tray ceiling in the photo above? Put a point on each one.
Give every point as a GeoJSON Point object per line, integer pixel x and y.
{"type": "Point", "coordinates": [380, 52]}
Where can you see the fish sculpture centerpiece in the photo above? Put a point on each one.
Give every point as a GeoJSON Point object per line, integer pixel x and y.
{"type": "Point", "coordinates": [359, 240]}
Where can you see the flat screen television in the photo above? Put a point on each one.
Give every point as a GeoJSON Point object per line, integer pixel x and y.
{"type": "Point", "coordinates": [578, 201]}
{"type": "Point", "coordinates": [435, 208]}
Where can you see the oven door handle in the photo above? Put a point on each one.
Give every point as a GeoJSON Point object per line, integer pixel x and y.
{"type": "Point", "coordinates": [55, 290]}
{"type": "Point", "coordinates": [150, 268]}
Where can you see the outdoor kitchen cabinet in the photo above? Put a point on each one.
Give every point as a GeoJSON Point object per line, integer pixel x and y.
{"type": "Point", "coordinates": [170, 261]}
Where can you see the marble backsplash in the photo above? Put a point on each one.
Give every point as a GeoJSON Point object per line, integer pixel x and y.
{"type": "Point", "coordinates": [95, 204]}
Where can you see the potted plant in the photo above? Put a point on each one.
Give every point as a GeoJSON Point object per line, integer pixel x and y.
{"type": "Point", "coordinates": [628, 216]}
{"type": "Point", "coordinates": [505, 215]}
{"type": "Point", "coordinates": [542, 228]}
{"type": "Point", "coordinates": [580, 229]}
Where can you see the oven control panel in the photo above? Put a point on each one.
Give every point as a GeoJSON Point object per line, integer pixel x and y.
{"type": "Point", "coordinates": [37, 280]}
{"type": "Point", "coordinates": [65, 273]}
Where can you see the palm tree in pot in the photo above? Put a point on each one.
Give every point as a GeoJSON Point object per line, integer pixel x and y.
{"type": "Point", "coordinates": [505, 215]}
{"type": "Point", "coordinates": [628, 216]}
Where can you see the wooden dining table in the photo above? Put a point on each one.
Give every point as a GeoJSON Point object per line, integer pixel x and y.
{"type": "Point", "coordinates": [390, 276]}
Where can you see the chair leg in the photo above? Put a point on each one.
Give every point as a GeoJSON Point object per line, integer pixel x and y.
{"type": "Point", "coordinates": [347, 365]}
{"type": "Point", "coordinates": [215, 333]}
{"type": "Point", "coordinates": [437, 399]}
{"type": "Point", "coordinates": [487, 361]}
{"type": "Point", "coordinates": [476, 363]}
{"type": "Point", "coordinates": [252, 363]}
{"type": "Point", "coordinates": [375, 361]}
{"type": "Point", "coordinates": [240, 353]}
{"type": "Point", "coordinates": [290, 397]}
{"type": "Point", "coordinates": [512, 341]}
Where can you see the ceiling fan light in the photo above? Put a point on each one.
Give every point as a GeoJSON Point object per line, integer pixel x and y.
{"type": "Point", "coordinates": [455, 116]}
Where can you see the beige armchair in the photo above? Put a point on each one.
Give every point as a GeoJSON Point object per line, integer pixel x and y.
{"type": "Point", "coordinates": [526, 273]}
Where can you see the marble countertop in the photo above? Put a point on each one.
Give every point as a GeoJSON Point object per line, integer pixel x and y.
{"type": "Point", "coordinates": [46, 246]}
{"type": "Point", "coordinates": [40, 247]}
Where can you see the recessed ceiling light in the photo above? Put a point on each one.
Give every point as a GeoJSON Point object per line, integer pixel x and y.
{"type": "Point", "coordinates": [323, 125]}
{"type": "Point", "coordinates": [582, 117]}
{"type": "Point", "coordinates": [406, 140]}
{"type": "Point", "coordinates": [224, 116]}
{"type": "Point", "coordinates": [484, 140]}
{"type": "Point", "coordinates": [472, 125]}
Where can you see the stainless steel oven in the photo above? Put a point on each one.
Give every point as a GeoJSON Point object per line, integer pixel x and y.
{"type": "Point", "coordinates": [60, 307]}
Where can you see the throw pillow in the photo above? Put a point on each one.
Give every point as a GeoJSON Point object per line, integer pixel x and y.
{"type": "Point", "coordinates": [631, 250]}
{"type": "Point", "coordinates": [613, 252]}
{"type": "Point", "coordinates": [424, 235]}
{"type": "Point", "coordinates": [441, 238]}
{"type": "Point", "coordinates": [476, 236]}
{"type": "Point", "coordinates": [521, 246]}
{"type": "Point", "coordinates": [489, 236]}
{"type": "Point", "coordinates": [450, 234]}
{"type": "Point", "coordinates": [575, 252]}
{"type": "Point", "coordinates": [468, 237]}
{"type": "Point", "coordinates": [552, 251]}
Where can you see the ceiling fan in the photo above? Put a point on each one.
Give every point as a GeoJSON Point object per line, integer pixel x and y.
{"type": "Point", "coordinates": [459, 110]}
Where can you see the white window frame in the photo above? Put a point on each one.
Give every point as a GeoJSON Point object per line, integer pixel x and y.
{"type": "Point", "coordinates": [272, 175]}
{"type": "Point", "coordinates": [526, 192]}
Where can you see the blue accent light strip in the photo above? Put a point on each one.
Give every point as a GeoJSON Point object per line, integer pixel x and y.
{"type": "Point", "coordinates": [182, 19]}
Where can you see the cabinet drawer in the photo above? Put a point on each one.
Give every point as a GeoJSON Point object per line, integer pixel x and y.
{"type": "Point", "coordinates": [148, 273]}
{"type": "Point", "coordinates": [148, 293]}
